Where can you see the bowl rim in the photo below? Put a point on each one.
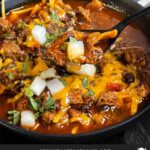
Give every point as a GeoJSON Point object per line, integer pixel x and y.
{"type": "Point", "coordinates": [121, 124]}
{"type": "Point", "coordinates": [90, 133]}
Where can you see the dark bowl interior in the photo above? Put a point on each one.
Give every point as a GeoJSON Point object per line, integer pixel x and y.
{"type": "Point", "coordinates": [126, 7]}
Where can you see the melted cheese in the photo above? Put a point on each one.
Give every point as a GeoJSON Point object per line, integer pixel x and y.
{"type": "Point", "coordinates": [112, 72]}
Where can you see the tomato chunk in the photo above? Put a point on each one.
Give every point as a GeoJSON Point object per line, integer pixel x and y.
{"type": "Point", "coordinates": [114, 86]}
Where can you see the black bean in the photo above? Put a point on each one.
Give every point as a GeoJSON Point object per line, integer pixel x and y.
{"type": "Point", "coordinates": [1, 56]}
{"type": "Point", "coordinates": [98, 69]}
{"type": "Point", "coordinates": [104, 108]}
{"type": "Point", "coordinates": [128, 77]}
{"type": "Point", "coordinates": [85, 108]}
{"type": "Point", "coordinates": [19, 86]}
{"type": "Point", "coordinates": [62, 71]}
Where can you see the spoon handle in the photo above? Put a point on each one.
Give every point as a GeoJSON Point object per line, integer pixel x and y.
{"type": "Point", "coordinates": [131, 18]}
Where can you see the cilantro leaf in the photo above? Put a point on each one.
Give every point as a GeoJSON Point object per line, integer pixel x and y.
{"type": "Point", "coordinates": [63, 82]}
{"type": "Point", "coordinates": [41, 110]}
{"type": "Point", "coordinates": [91, 93]}
{"type": "Point", "coordinates": [24, 67]}
{"type": "Point", "coordinates": [50, 37]}
{"type": "Point", "coordinates": [50, 104]}
{"type": "Point", "coordinates": [10, 75]}
{"type": "Point", "coordinates": [34, 104]}
{"type": "Point", "coordinates": [14, 117]}
{"type": "Point", "coordinates": [85, 82]}
{"type": "Point", "coordinates": [21, 25]}
{"type": "Point", "coordinates": [72, 39]}
{"type": "Point", "coordinates": [54, 36]}
{"type": "Point", "coordinates": [54, 16]}
{"type": "Point", "coordinates": [28, 92]}
{"type": "Point", "coordinates": [37, 115]}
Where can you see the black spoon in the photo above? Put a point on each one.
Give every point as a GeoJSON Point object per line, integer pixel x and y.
{"type": "Point", "coordinates": [120, 26]}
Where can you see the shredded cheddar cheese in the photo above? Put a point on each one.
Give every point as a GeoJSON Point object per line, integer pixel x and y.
{"type": "Point", "coordinates": [111, 72]}
{"type": "Point", "coordinates": [3, 9]}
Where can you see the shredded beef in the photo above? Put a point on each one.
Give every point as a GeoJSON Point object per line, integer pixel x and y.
{"type": "Point", "coordinates": [74, 113]}
{"type": "Point", "coordinates": [4, 25]}
{"type": "Point", "coordinates": [107, 98]}
{"type": "Point", "coordinates": [135, 56]}
{"type": "Point", "coordinates": [75, 97]}
{"type": "Point", "coordinates": [48, 117]}
{"type": "Point", "coordinates": [85, 13]}
{"type": "Point", "coordinates": [12, 50]}
{"type": "Point", "coordinates": [94, 53]}
{"type": "Point", "coordinates": [54, 49]}
{"type": "Point", "coordinates": [22, 104]}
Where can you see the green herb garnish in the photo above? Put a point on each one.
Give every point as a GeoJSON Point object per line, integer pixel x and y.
{"type": "Point", "coordinates": [14, 117]}
{"type": "Point", "coordinates": [28, 92]}
{"type": "Point", "coordinates": [50, 37]}
{"type": "Point", "coordinates": [21, 25]}
{"type": "Point", "coordinates": [8, 35]}
{"type": "Point", "coordinates": [85, 82]}
{"type": "Point", "coordinates": [64, 46]}
{"type": "Point", "coordinates": [10, 75]}
{"type": "Point", "coordinates": [37, 115]}
{"type": "Point", "coordinates": [63, 82]}
{"type": "Point", "coordinates": [41, 110]}
{"type": "Point", "coordinates": [50, 104]}
{"type": "Point", "coordinates": [91, 93]}
{"type": "Point", "coordinates": [54, 36]}
{"type": "Point", "coordinates": [24, 67]}
{"type": "Point", "coordinates": [34, 104]}
{"type": "Point", "coordinates": [54, 16]}
{"type": "Point", "coordinates": [72, 39]}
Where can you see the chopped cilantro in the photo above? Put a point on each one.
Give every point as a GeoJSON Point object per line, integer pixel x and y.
{"type": "Point", "coordinates": [41, 110]}
{"type": "Point", "coordinates": [63, 29]}
{"type": "Point", "coordinates": [24, 67]}
{"type": "Point", "coordinates": [34, 104]}
{"type": "Point", "coordinates": [52, 37]}
{"type": "Point", "coordinates": [63, 82]}
{"type": "Point", "coordinates": [21, 25]}
{"type": "Point", "coordinates": [14, 117]}
{"type": "Point", "coordinates": [85, 82]}
{"type": "Point", "coordinates": [54, 16]}
{"type": "Point", "coordinates": [50, 104]}
{"type": "Point", "coordinates": [28, 92]}
{"type": "Point", "coordinates": [8, 35]}
{"type": "Point", "coordinates": [10, 75]}
{"type": "Point", "coordinates": [91, 93]}
{"type": "Point", "coordinates": [37, 115]}
{"type": "Point", "coordinates": [72, 39]}
{"type": "Point", "coordinates": [64, 46]}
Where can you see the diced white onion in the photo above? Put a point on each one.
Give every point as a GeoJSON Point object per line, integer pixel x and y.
{"type": "Point", "coordinates": [50, 73]}
{"type": "Point", "coordinates": [39, 34]}
{"type": "Point", "coordinates": [38, 85]}
{"type": "Point", "coordinates": [75, 49]}
{"type": "Point", "coordinates": [88, 69]}
{"type": "Point", "coordinates": [55, 86]}
{"type": "Point", "coordinates": [27, 119]}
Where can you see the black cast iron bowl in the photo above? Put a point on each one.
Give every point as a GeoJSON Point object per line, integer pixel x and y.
{"type": "Point", "coordinates": [128, 7]}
